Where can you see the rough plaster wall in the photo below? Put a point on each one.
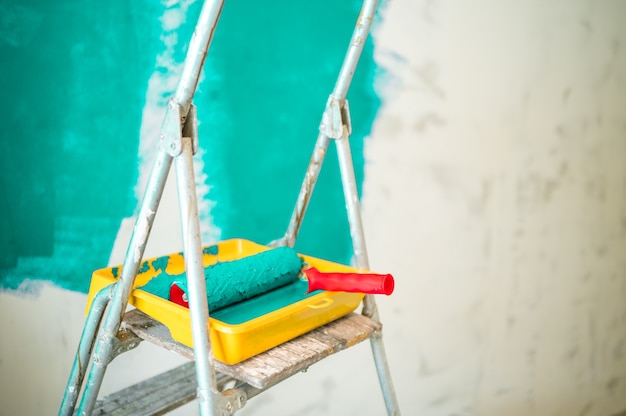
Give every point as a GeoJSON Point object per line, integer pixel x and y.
{"type": "Point", "coordinates": [496, 193]}
{"type": "Point", "coordinates": [501, 159]}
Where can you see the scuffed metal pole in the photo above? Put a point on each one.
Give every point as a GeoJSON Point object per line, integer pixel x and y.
{"type": "Point", "coordinates": [306, 190]}
{"type": "Point", "coordinates": [196, 54]}
{"type": "Point", "coordinates": [103, 348]}
{"type": "Point", "coordinates": [183, 149]}
{"type": "Point", "coordinates": [336, 125]}
{"type": "Point", "coordinates": [198, 306]}
{"type": "Point", "coordinates": [328, 127]}
{"type": "Point", "coordinates": [83, 355]}
{"type": "Point", "coordinates": [172, 146]}
{"type": "Point", "coordinates": [362, 262]}
{"type": "Point", "coordinates": [359, 36]}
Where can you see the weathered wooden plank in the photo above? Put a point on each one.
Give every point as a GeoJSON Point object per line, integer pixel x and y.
{"type": "Point", "coordinates": [278, 363]}
{"type": "Point", "coordinates": [352, 332]}
{"type": "Point", "coordinates": [154, 396]}
{"type": "Point", "coordinates": [297, 355]}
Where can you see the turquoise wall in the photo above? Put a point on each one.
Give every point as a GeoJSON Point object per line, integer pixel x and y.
{"type": "Point", "coordinates": [75, 78]}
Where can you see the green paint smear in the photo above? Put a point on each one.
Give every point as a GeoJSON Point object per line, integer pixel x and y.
{"type": "Point", "coordinates": [270, 71]}
{"type": "Point", "coordinates": [76, 73]}
{"type": "Point", "coordinates": [232, 282]}
{"type": "Point", "coordinates": [212, 250]}
{"type": "Point", "coordinates": [67, 174]}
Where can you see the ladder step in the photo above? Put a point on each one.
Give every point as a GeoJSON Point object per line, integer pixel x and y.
{"type": "Point", "coordinates": [157, 395]}
{"type": "Point", "coordinates": [276, 364]}
{"type": "Point", "coordinates": [154, 396]}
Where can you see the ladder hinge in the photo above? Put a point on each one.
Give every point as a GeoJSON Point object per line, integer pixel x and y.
{"type": "Point", "coordinates": [336, 119]}
{"type": "Point", "coordinates": [233, 400]}
{"type": "Point", "coordinates": [175, 128]}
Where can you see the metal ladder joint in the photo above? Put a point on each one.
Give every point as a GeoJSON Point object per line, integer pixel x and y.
{"type": "Point", "coordinates": [336, 122]}
{"type": "Point", "coordinates": [176, 126]}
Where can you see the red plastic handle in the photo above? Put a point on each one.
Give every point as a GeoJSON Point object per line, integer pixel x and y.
{"type": "Point", "coordinates": [178, 295]}
{"type": "Point", "coordinates": [369, 283]}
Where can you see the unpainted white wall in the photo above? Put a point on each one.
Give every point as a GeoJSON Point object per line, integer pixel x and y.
{"type": "Point", "coordinates": [500, 166]}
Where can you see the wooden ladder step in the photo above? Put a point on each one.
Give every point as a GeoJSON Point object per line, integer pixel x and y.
{"type": "Point", "coordinates": [154, 396]}
{"type": "Point", "coordinates": [276, 364]}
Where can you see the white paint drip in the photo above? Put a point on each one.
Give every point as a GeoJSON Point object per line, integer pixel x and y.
{"type": "Point", "coordinates": [161, 87]}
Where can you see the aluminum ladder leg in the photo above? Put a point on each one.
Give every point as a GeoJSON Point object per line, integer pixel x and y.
{"type": "Point", "coordinates": [336, 125]}
{"type": "Point", "coordinates": [178, 142]}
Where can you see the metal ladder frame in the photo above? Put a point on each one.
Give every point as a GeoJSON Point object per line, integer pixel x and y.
{"type": "Point", "coordinates": [178, 143]}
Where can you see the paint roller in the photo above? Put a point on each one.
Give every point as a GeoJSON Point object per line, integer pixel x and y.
{"type": "Point", "coordinates": [234, 281]}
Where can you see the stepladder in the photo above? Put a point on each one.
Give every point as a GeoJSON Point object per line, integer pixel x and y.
{"type": "Point", "coordinates": [218, 387]}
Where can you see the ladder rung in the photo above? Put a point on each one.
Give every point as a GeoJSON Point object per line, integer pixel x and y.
{"type": "Point", "coordinates": [274, 365]}
{"type": "Point", "coordinates": [154, 396]}
{"type": "Point", "coordinates": [157, 395]}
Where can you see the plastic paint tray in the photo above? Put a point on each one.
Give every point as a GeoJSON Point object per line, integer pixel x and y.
{"type": "Point", "coordinates": [247, 328]}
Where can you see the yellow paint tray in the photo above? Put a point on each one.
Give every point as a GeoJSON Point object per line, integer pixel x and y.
{"type": "Point", "coordinates": [247, 328]}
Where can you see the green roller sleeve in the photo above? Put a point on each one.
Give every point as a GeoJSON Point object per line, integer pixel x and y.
{"type": "Point", "coordinates": [231, 282]}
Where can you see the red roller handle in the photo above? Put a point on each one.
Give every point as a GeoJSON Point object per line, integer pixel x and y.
{"type": "Point", "coordinates": [369, 283]}
{"type": "Point", "coordinates": [178, 295]}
